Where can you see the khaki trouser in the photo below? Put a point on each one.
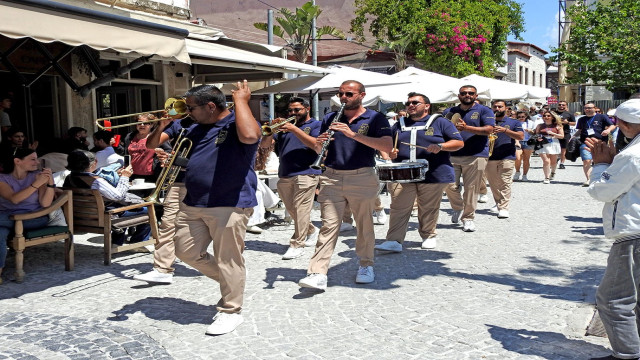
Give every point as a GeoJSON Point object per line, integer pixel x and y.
{"type": "Point", "coordinates": [297, 193]}
{"type": "Point", "coordinates": [403, 197]}
{"type": "Point", "coordinates": [482, 190]}
{"type": "Point", "coordinates": [347, 217]}
{"type": "Point", "coordinates": [226, 227]}
{"type": "Point", "coordinates": [500, 176]}
{"type": "Point", "coordinates": [471, 169]}
{"type": "Point", "coordinates": [165, 254]}
{"type": "Point", "coordinates": [337, 188]}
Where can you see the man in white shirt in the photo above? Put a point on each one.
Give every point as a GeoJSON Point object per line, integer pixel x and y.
{"type": "Point", "coordinates": [105, 153]}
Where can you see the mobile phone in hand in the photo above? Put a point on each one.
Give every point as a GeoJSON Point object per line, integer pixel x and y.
{"type": "Point", "coordinates": [127, 160]}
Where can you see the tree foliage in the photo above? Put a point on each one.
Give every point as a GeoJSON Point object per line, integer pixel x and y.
{"type": "Point", "coordinates": [604, 44]}
{"type": "Point", "coordinates": [296, 28]}
{"type": "Point", "coordinates": [452, 37]}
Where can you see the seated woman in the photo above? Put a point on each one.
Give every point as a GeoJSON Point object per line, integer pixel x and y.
{"type": "Point", "coordinates": [82, 163]}
{"type": "Point", "coordinates": [23, 189]}
{"type": "Point", "coordinates": [144, 161]}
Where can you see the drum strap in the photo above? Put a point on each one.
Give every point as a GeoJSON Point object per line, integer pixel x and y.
{"type": "Point", "coordinates": [414, 133]}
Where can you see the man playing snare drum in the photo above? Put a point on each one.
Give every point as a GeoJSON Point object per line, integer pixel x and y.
{"type": "Point", "coordinates": [434, 137]}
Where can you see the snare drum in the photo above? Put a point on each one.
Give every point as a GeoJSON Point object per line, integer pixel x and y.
{"type": "Point", "coordinates": [404, 172]}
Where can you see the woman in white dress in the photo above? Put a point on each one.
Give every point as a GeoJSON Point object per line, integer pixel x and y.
{"type": "Point", "coordinates": [551, 129]}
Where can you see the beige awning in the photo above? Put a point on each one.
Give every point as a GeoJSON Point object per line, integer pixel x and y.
{"type": "Point", "coordinates": [209, 53]}
{"type": "Point", "coordinates": [76, 26]}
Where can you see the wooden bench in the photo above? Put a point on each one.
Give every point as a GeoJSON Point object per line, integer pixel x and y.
{"type": "Point", "coordinates": [90, 215]}
{"type": "Point", "coordinates": [23, 239]}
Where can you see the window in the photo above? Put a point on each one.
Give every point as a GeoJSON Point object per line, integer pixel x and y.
{"type": "Point", "coordinates": [533, 78]}
{"type": "Point", "coordinates": [520, 75]}
{"type": "Point", "coordinates": [526, 76]}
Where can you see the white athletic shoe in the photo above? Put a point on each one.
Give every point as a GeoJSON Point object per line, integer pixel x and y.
{"type": "Point", "coordinates": [312, 238]}
{"type": "Point", "coordinates": [155, 277]}
{"type": "Point", "coordinates": [390, 245]}
{"type": "Point", "coordinates": [429, 243]}
{"type": "Point", "coordinates": [380, 217]}
{"type": "Point", "coordinates": [224, 323]}
{"type": "Point", "coordinates": [516, 177]}
{"type": "Point", "coordinates": [365, 275]}
{"type": "Point", "coordinates": [292, 253]}
{"type": "Point", "coordinates": [314, 281]}
{"type": "Point", "coordinates": [524, 178]}
{"type": "Point", "coordinates": [503, 214]}
{"type": "Point", "coordinates": [494, 209]}
{"type": "Point", "coordinates": [483, 198]}
{"type": "Point", "coordinates": [455, 216]}
{"type": "Point", "coordinates": [468, 226]}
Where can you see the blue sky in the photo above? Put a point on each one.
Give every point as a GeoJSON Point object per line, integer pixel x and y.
{"type": "Point", "coordinates": [541, 23]}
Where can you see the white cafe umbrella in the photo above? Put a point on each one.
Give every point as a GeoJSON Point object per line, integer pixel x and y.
{"type": "Point", "coordinates": [505, 90]}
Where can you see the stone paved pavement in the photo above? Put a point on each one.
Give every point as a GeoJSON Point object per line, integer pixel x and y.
{"type": "Point", "coordinates": [520, 288]}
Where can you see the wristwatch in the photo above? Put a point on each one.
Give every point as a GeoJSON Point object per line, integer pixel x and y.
{"type": "Point", "coordinates": [51, 185]}
{"type": "Point", "coordinates": [440, 145]}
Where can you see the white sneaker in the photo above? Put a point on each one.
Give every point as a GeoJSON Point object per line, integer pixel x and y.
{"type": "Point", "coordinates": [429, 243]}
{"type": "Point", "coordinates": [503, 214]}
{"type": "Point", "coordinates": [254, 229]}
{"type": "Point", "coordinates": [379, 217]}
{"type": "Point", "coordinates": [224, 323]}
{"type": "Point", "coordinates": [546, 181]}
{"type": "Point", "coordinates": [292, 253]}
{"type": "Point", "coordinates": [365, 275]}
{"type": "Point", "coordinates": [494, 209]}
{"type": "Point", "coordinates": [312, 238]}
{"type": "Point", "coordinates": [390, 245]}
{"type": "Point", "coordinates": [524, 178]}
{"type": "Point", "coordinates": [346, 227]}
{"type": "Point", "coordinates": [455, 217]}
{"type": "Point", "coordinates": [155, 277]}
{"type": "Point", "coordinates": [483, 198]}
{"type": "Point", "coordinates": [314, 281]}
{"type": "Point", "coordinates": [468, 226]}
{"type": "Point", "coordinates": [516, 176]}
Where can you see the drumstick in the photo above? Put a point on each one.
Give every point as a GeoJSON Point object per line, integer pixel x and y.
{"type": "Point", "coordinates": [395, 144]}
{"type": "Point", "coordinates": [418, 146]}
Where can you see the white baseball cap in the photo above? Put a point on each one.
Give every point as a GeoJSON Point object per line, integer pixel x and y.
{"type": "Point", "coordinates": [629, 111]}
{"type": "Point", "coordinates": [391, 114]}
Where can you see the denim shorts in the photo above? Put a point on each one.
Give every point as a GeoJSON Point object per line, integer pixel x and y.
{"type": "Point", "coordinates": [584, 153]}
{"type": "Point", "coordinates": [525, 146]}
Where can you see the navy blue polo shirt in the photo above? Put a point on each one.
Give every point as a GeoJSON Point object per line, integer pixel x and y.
{"type": "Point", "coordinates": [504, 148]}
{"type": "Point", "coordinates": [173, 130]}
{"type": "Point", "coordinates": [441, 130]}
{"type": "Point", "coordinates": [598, 122]}
{"type": "Point", "coordinates": [220, 170]}
{"type": "Point", "coordinates": [296, 157]}
{"type": "Point", "coordinates": [477, 116]}
{"type": "Point", "coordinates": [348, 154]}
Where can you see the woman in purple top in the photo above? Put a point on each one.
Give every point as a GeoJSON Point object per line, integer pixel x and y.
{"type": "Point", "coordinates": [23, 189]}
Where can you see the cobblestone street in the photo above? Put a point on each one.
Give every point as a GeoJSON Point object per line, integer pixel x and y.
{"type": "Point", "coordinates": [517, 288]}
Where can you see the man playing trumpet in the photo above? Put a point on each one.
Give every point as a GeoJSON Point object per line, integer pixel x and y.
{"type": "Point", "coordinates": [294, 145]}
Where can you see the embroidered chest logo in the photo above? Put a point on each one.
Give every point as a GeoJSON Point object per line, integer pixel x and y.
{"type": "Point", "coordinates": [222, 136]}
{"type": "Point", "coordinates": [429, 131]}
{"type": "Point", "coordinates": [475, 116]}
{"type": "Point", "coordinates": [364, 129]}
{"type": "Point", "coordinates": [307, 130]}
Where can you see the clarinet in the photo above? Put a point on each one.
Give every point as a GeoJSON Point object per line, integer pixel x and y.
{"type": "Point", "coordinates": [325, 145]}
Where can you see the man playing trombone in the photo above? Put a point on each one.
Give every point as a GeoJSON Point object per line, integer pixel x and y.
{"type": "Point", "coordinates": [349, 178]}
{"type": "Point", "coordinates": [294, 145]}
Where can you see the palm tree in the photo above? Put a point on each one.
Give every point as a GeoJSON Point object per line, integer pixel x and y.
{"type": "Point", "coordinates": [296, 29]}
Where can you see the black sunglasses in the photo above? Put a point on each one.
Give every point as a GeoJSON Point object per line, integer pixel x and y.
{"type": "Point", "coordinates": [414, 103]}
{"type": "Point", "coordinates": [347, 94]}
{"type": "Point", "coordinates": [295, 110]}
{"type": "Point", "coordinates": [463, 93]}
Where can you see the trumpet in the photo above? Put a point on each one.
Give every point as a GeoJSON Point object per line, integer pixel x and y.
{"type": "Point", "coordinates": [172, 167]}
{"type": "Point", "coordinates": [272, 128]}
{"type": "Point", "coordinates": [176, 108]}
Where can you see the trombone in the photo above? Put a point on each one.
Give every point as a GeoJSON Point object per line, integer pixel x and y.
{"type": "Point", "coordinates": [175, 108]}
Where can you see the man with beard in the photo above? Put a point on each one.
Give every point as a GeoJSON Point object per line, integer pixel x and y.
{"type": "Point", "coordinates": [350, 178]}
{"type": "Point", "coordinates": [502, 158]}
{"type": "Point", "coordinates": [294, 145]}
{"type": "Point", "coordinates": [568, 120]}
{"type": "Point", "coordinates": [475, 124]}
{"type": "Point", "coordinates": [436, 137]}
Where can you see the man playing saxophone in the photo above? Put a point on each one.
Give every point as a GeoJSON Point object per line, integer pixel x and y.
{"type": "Point", "coordinates": [349, 178]}
{"type": "Point", "coordinates": [501, 162]}
{"type": "Point", "coordinates": [294, 145]}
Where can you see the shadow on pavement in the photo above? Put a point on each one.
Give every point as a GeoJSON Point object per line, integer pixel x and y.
{"type": "Point", "coordinates": [545, 344]}
{"type": "Point", "coordinates": [164, 308]}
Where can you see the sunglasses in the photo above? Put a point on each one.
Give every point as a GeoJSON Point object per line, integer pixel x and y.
{"type": "Point", "coordinates": [414, 103]}
{"type": "Point", "coordinates": [347, 94]}
{"type": "Point", "coordinates": [295, 110]}
{"type": "Point", "coordinates": [463, 93]}
{"type": "Point", "coordinates": [144, 123]}
{"type": "Point", "coordinates": [190, 108]}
